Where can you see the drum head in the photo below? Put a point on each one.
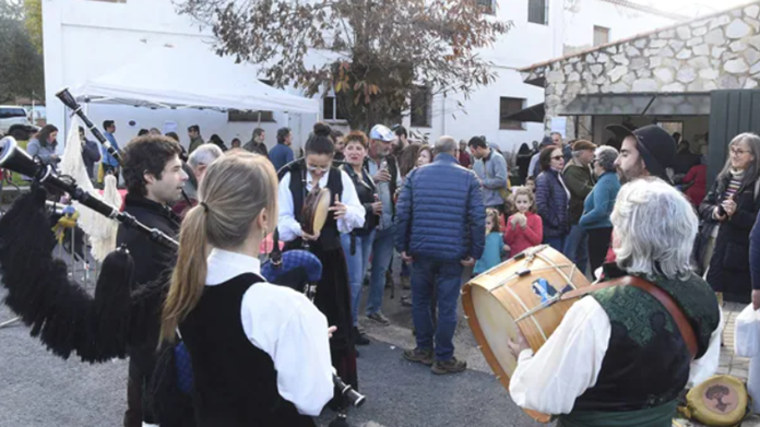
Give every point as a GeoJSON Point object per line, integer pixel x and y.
{"type": "Point", "coordinates": [498, 328]}
{"type": "Point", "coordinates": [321, 210]}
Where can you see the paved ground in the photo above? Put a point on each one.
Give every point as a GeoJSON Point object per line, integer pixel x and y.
{"type": "Point", "coordinates": [39, 389]}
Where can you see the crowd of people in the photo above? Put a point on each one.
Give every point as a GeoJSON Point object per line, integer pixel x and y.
{"type": "Point", "coordinates": [448, 211]}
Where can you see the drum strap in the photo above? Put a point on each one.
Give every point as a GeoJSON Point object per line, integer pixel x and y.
{"type": "Point", "coordinates": [687, 332]}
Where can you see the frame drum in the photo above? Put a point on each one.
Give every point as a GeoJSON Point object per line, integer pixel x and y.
{"type": "Point", "coordinates": [522, 292]}
{"type": "Point", "coordinates": [316, 207]}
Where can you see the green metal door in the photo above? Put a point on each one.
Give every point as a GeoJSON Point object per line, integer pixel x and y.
{"type": "Point", "coordinates": [732, 112]}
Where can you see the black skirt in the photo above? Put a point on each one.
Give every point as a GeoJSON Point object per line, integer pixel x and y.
{"type": "Point", "coordinates": [333, 300]}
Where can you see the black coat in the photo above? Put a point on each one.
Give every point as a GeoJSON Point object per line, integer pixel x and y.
{"type": "Point", "coordinates": [151, 261]}
{"type": "Point", "coordinates": [729, 266]}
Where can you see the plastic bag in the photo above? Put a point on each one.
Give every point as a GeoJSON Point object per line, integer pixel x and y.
{"type": "Point", "coordinates": [747, 333]}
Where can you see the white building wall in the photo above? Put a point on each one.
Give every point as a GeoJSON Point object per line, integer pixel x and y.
{"type": "Point", "coordinates": [525, 44]}
{"type": "Point", "coordinates": [85, 39]}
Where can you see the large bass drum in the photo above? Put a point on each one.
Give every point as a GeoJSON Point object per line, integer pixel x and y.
{"type": "Point", "coordinates": [522, 292]}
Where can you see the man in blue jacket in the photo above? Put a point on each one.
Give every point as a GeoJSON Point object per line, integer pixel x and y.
{"type": "Point", "coordinates": [440, 226]}
{"type": "Point", "coordinates": [282, 154]}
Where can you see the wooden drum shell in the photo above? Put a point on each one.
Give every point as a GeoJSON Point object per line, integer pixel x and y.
{"type": "Point", "coordinates": [495, 299]}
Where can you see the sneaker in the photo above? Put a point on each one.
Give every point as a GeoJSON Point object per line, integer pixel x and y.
{"type": "Point", "coordinates": [406, 283]}
{"type": "Point", "coordinates": [379, 318]}
{"type": "Point", "coordinates": [359, 337]}
{"type": "Point", "coordinates": [452, 366]}
{"type": "Point", "coordinates": [419, 355]}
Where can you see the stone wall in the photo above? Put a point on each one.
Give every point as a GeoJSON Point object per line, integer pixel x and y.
{"type": "Point", "coordinates": [719, 52]}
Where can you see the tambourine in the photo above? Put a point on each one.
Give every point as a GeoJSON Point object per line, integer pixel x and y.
{"type": "Point", "coordinates": [316, 207]}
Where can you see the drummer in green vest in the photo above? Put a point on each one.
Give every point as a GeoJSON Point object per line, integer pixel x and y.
{"type": "Point", "coordinates": [618, 357]}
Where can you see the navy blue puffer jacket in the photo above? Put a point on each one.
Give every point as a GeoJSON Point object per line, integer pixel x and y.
{"type": "Point", "coordinates": [440, 214]}
{"type": "Point", "coordinates": [551, 203]}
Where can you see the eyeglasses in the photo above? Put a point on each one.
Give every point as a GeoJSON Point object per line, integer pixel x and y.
{"type": "Point", "coordinates": [557, 157]}
{"type": "Point", "coordinates": [312, 168]}
{"type": "Point", "coordinates": [738, 152]}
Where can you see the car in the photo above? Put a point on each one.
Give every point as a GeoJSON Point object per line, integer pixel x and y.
{"type": "Point", "coordinates": [14, 122]}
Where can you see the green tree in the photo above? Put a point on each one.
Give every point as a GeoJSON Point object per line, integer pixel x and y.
{"type": "Point", "coordinates": [21, 64]}
{"type": "Point", "coordinates": [33, 22]}
{"type": "Point", "coordinates": [371, 52]}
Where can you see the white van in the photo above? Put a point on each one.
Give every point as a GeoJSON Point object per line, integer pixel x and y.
{"type": "Point", "coordinates": [14, 122]}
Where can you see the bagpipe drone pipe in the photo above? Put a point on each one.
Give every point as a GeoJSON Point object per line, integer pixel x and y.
{"type": "Point", "coordinates": [62, 314]}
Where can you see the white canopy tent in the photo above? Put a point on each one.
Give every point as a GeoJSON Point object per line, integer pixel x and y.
{"type": "Point", "coordinates": [177, 78]}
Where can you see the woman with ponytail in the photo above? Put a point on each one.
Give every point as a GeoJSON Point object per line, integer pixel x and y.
{"type": "Point", "coordinates": [246, 338]}
{"type": "Point", "coordinates": [333, 297]}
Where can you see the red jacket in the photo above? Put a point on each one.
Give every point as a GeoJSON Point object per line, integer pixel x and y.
{"type": "Point", "coordinates": [696, 193]}
{"type": "Point", "coordinates": [520, 239]}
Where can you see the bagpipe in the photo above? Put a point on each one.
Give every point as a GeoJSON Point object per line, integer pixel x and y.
{"type": "Point", "coordinates": [98, 328]}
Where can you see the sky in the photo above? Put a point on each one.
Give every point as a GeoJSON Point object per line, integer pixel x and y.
{"type": "Point", "coordinates": [693, 7]}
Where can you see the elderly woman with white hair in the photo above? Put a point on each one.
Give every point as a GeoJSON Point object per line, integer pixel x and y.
{"type": "Point", "coordinates": [195, 168]}
{"type": "Point", "coordinates": [618, 357]}
{"type": "Point", "coordinates": [598, 205]}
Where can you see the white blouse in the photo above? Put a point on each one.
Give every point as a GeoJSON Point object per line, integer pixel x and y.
{"type": "Point", "coordinates": [287, 326]}
{"type": "Point", "coordinates": [570, 361]}
{"type": "Point", "coordinates": [289, 227]}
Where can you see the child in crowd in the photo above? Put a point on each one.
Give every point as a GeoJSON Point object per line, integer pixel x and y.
{"type": "Point", "coordinates": [492, 253]}
{"type": "Point", "coordinates": [524, 229]}
{"type": "Point", "coordinates": [530, 182]}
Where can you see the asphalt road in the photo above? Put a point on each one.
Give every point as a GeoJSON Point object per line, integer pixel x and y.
{"type": "Point", "coordinates": [39, 389]}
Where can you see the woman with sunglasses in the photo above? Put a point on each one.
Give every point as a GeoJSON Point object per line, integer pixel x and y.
{"type": "Point", "coordinates": [333, 296]}
{"type": "Point", "coordinates": [730, 210]}
{"type": "Point", "coordinates": [552, 197]}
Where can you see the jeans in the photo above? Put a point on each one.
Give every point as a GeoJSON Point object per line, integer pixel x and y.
{"type": "Point", "coordinates": [446, 279]}
{"type": "Point", "coordinates": [556, 242]}
{"type": "Point", "coordinates": [382, 251]}
{"type": "Point", "coordinates": [357, 266]}
{"type": "Point", "coordinates": [576, 247]}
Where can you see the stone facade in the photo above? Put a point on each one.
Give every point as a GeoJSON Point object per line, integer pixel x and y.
{"type": "Point", "coordinates": [718, 52]}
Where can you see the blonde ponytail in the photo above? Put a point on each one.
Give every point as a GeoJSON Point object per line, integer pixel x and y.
{"type": "Point", "coordinates": [189, 276]}
{"type": "Point", "coordinates": [237, 187]}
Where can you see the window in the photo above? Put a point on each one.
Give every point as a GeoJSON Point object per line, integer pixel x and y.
{"type": "Point", "coordinates": [251, 116]}
{"type": "Point", "coordinates": [509, 106]}
{"type": "Point", "coordinates": [332, 109]}
{"type": "Point", "coordinates": [9, 113]}
{"type": "Point", "coordinates": [487, 6]}
{"type": "Point", "coordinates": [422, 97]}
{"type": "Point", "coordinates": [538, 11]}
{"type": "Point", "coordinates": [601, 35]}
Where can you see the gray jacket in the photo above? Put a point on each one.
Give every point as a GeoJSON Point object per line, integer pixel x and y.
{"type": "Point", "coordinates": [492, 172]}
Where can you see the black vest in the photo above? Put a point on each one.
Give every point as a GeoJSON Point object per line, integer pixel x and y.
{"type": "Point", "coordinates": [329, 238]}
{"type": "Point", "coordinates": [235, 382]}
{"type": "Point", "coordinates": [647, 361]}
{"type": "Point", "coordinates": [366, 190]}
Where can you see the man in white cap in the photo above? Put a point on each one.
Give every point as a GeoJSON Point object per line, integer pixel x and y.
{"type": "Point", "coordinates": [382, 167]}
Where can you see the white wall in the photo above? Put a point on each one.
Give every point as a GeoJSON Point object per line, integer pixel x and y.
{"type": "Point", "coordinates": [85, 39]}
{"type": "Point", "coordinates": [623, 22]}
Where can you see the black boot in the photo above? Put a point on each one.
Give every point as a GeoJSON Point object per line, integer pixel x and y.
{"type": "Point", "coordinates": [340, 420]}
{"type": "Point", "coordinates": [360, 338]}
